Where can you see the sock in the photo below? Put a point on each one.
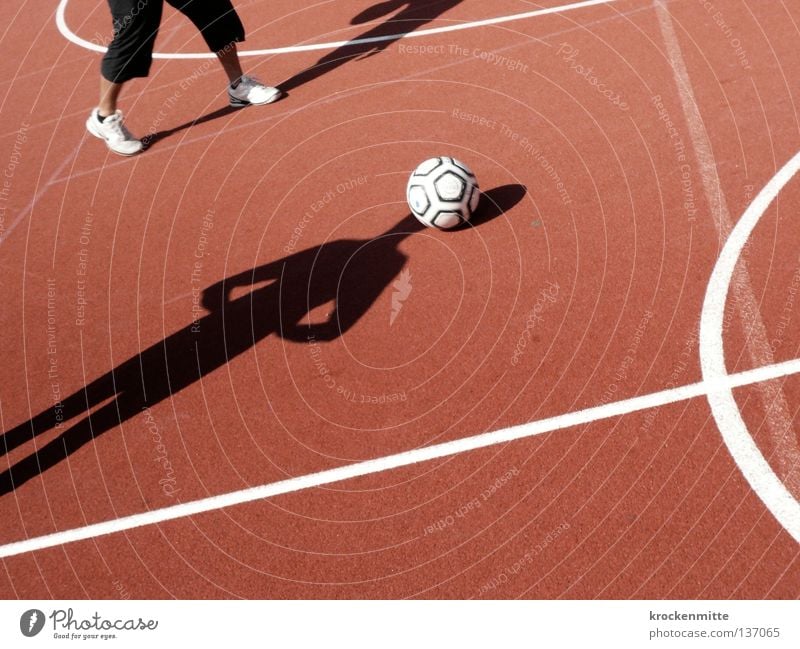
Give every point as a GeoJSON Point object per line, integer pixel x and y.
{"type": "Point", "coordinates": [236, 83]}
{"type": "Point", "coordinates": [100, 118]}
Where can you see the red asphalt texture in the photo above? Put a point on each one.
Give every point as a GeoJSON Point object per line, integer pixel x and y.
{"type": "Point", "coordinates": [648, 505]}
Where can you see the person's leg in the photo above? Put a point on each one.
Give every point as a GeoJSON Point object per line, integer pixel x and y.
{"type": "Point", "coordinates": [216, 20]}
{"type": "Point", "coordinates": [129, 55]}
{"type": "Point", "coordinates": [109, 93]}
{"type": "Point", "coordinates": [221, 28]}
{"type": "Point", "coordinates": [229, 58]}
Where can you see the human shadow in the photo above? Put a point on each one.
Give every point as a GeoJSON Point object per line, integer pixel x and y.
{"type": "Point", "coordinates": [154, 138]}
{"type": "Point", "coordinates": [413, 14]}
{"type": "Point", "coordinates": [349, 273]}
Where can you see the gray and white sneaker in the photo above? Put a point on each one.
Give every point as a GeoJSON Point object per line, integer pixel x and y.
{"type": "Point", "coordinates": [113, 131]}
{"type": "Point", "coordinates": [251, 91]}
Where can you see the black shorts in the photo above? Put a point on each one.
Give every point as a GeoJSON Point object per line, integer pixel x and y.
{"type": "Point", "coordinates": [136, 25]}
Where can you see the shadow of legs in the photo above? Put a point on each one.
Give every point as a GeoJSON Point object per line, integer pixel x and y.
{"type": "Point", "coordinates": [155, 138]}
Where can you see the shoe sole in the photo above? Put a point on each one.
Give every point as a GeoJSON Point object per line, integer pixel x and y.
{"type": "Point", "coordinates": [99, 136]}
{"type": "Point", "coordinates": [241, 103]}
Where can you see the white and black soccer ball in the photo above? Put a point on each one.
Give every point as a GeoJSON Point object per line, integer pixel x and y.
{"type": "Point", "coordinates": [442, 193]}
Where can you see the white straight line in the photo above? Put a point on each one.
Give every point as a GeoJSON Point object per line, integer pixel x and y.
{"type": "Point", "coordinates": [406, 458]}
{"type": "Point", "coordinates": [74, 38]}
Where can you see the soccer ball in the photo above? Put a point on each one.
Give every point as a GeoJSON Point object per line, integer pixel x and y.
{"type": "Point", "coordinates": [442, 193]}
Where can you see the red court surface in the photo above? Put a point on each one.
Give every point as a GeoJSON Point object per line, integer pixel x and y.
{"type": "Point", "coordinates": [618, 144]}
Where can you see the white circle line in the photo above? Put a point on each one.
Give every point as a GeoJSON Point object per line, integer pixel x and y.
{"type": "Point", "coordinates": [743, 449]}
{"type": "Point", "coordinates": [71, 36]}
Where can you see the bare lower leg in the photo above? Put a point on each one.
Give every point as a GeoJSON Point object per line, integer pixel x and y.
{"type": "Point", "coordinates": [229, 58]}
{"type": "Point", "coordinates": [109, 92]}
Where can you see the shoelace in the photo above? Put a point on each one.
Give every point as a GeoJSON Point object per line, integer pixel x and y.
{"type": "Point", "coordinates": [248, 82]}
{"type": "Point", "coordinates": [118, 126]}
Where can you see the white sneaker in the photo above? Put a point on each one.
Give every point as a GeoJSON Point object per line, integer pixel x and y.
{"type": "Point", "coordinates": [251, 91]}
{"type": "Point", "coordinates": [113, 131]}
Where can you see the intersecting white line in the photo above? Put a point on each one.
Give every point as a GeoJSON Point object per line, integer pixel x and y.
{"type": "Point", "coordinates": [717, 385]}
{"type": "Point", "coordinates": [71, 36]}
{"type": "Point", "coordinates": [378, 465]}
{"type": "Point", "coordinates": [731, 276]}
{"type": "Point", "coordinates": [743, 449]}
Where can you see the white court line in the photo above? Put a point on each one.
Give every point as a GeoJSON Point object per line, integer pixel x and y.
{"type": "Point", "coordinates": [742, 447]}
{"type": "Point", "coordinates": [778, 417]}
{"type": "Point", "coordinates": [716, 384]}
{"type": "Point", "coordinates": [89, 45]}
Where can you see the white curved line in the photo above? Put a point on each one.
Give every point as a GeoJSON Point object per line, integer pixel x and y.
{"type": "Point", "coordinates": [756, 470]}
{"type": "Point", "coordinates": [71, 36]}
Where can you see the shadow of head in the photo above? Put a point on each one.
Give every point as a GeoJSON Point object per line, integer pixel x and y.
{"type": "Point", "coordinates": [378, 11]}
